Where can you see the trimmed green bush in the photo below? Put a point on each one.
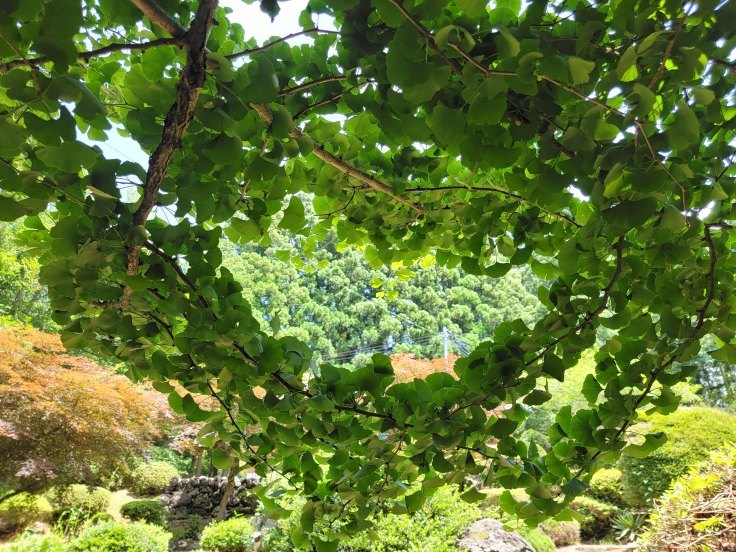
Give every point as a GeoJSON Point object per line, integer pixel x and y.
{"type": "Point", "coordinates": [692, 433]}
{"type": "Point", "coordinates": [598, 517]}
{"type": "Point", "coordinates": [19, 511]}
{"type": "Point", "coordinates": [122, 537]}
{"type": "Point", "coordinates": [81, 497]}
{"type": "Point", "coordinates": [539, 541]}
{"type": "Point", "coordinates": [607, 485]}
{"type": "Point", "coordinates": [152, 478]}
{"type": "Point", "coordinates": [697, 512]}
{"type": "Point", "coordinates": [150, 511]}
{"type": "Point", "coordinates": [31, 542]}
{"type": "Point", "coordinates": [493, 496]}
{"type": "Point", "coordinates": [231, 535]}
{"type": "Point", "coordinates": [562, 533]}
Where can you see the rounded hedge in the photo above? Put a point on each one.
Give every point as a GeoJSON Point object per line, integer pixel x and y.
{"type": "Point", "coordinates": [607, 485]}
{"type": "Point", "coordinates": [32, 542]}
{"type": "Point", "coordinates": [539, 541]}
{"type": "Point", "coordinates": [231, 535]}
{"type": "Point", "coordinates": [81, 497]}
{"type": "Point", "coordinates": [692, 433]}
{"type": "Point", "coordinates": [598, 516]}
{"type": "Point", "coordinates": [21, 510]}
{"type": "Point", "coordinates": [562, 533]}
{"type": "Point", "coordinates": [697, 513]}
{"type": "Point", "coordinates": [150, 511]}
{"type": "Point", "coordinates": [122, 537]}
{"type": "Point", "coordinates": [152, 478]}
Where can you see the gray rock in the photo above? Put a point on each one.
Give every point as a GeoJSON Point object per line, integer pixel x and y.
{"type": "Point", "coordinates": [488, 535]}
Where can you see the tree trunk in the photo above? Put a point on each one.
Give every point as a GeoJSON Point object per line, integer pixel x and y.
{"type": "Point", "coordinates": [198, 463]}
{"type": "Point", "coordinates": [229, 488]}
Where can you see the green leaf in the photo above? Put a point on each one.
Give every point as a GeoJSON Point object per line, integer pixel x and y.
{"type": "Point", "coordinates": [727, 353]}
{"type": "Point", "coordinates": [472, 495]}
{"type": "Point", "coordinates": [652, 442]}
{"type": "Point", "coordinates": [415, 501]}
{"type": "Point", "coordinates": [293, 215]}
{"type": "Point", "coordinates": [580, 69]}
{"type": "Point", "coordinates": [591, 389]}
{"type": "Point", "coordinates": [221, 460]}
{"type": "Point", "coordinates": [11, 210]}
{"type": "Point", "coordinates": [553, 366]}
{"type": "Point", "coordinates": [69, 157]}
{"type": "Point", "coordinates": [448, 124]}
{"type": "Point", "coordinates": [12, 138]}
{"type": "Point", "coordinates": [537, 397]}
{"type": "Point", "coordinates": [508, 45]}
{"type": "Point", "coordinates": [685, 130]}
{"type": "Point", "coordinates": [282, 124]}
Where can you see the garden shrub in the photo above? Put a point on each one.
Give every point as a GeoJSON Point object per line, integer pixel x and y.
{"type": "Point", "coordinates": [81, 497]}
{"type": "Point", "coordinates": [33, 542]}
{"type": "Point", "coordinates": [697, 513]}
{"type": "Point", "coordinates": [231, 535]}
{"type": "Point", "coordinates": [19, 511]}
{"type": "Point", "coordinates": [692, 433]}
{"type": "Point", "coordinates": [152, 478]}
{"type": "Point", "coordinates": [122, 537]}
{"type": "Point", "coordinates": [539, 541]}
{"type": "Point", "coordinates": [168, 456]}
{"type": "Point", "coordinates": [150, 511]}
{"type": "Point", "coordinates": [435, 527]}
{"type": "Point", "coordinates": [597, 522]}
{"type": "Point", "coordinates": [607, 485]}
{"type": "Point", "coordinates": [562, 533]}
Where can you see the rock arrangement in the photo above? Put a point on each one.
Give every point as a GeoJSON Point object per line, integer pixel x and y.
{"type": "Point", "coordinates": [200, 496]}
{"type": "Point", "coordinates": [488, 535]}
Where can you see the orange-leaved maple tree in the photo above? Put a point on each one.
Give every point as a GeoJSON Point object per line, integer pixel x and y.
{"type": "Point", "coordinates": [64, 418]}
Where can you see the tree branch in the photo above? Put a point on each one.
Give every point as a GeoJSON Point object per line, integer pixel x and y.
{"type": "Point", "coordinates": [279, 41]}
{"type": "Point", "coordinates": [309, 84]}
{"type": "Point", "coordinates": [455, 66]}
{"type": "Point", "coordinates": [159, 17]}
{"type": "Point", "coordinates": [498, 191]}
{"type": "Point", "coordinates": [178, 118]}
{"type": "Point", "coordinates": [319, 150]}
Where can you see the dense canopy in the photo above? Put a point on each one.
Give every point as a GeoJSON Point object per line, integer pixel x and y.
{"type": "Point", "coordinates": [590, 140]}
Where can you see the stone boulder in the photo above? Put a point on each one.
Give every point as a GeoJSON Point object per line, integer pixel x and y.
{"type": "Point", "coordinates": [201, 496]}
{"type": "Point", "coordinates": [488, 535]}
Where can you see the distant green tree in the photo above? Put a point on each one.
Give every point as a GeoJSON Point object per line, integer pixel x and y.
{"type": "Point", "coordinates": [22, 297]}
{"type": "Point", "coordinates": [337, 302]}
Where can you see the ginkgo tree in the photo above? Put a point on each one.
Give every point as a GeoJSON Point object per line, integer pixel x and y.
{"type": "Point", "coordinates": [592, 141]}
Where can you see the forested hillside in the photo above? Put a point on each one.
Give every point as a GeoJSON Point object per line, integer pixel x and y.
{"type": "Point", "coordinates": [336, 302]}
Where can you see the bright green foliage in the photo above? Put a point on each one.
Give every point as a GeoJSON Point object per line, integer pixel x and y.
{"type": "Point", "coordinates": [122, 537]}
{"type": "Point", "coordinates": [598, 516]}
{"type": "Point", "coordinates": [152, 478]}
{"type": "Point", "coordinates": [92, 500]}
{"type": "Point", "coordinates": [19, 511]}
{"type": "Point", "coordinates": [22, 297]}
{"type": "Point", "coordinates": [168, 456]}
{"type": "Point", "coordinates": [30, 542]}
{"type": "Point", "coordinates": [150, 511]}
{"type": "Point", "coordinates": [463, 142]}
{"type": "Point", "coordinates": [540, 541]}
{"type": "Point", "coordinates": [692, 433]}
{"type": "Point", "coordinates": [231, 535]}
{"type": "Point", "coordinates": [562, 533]}
{"type": "Point", "coordinates": [335, 301]}
{"type": "Point", "coordinates": [697, 512]}
{"type": "Point", "coordinates": [435, 526]}
{"type": "Point", "coordinates": [607, 485]}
